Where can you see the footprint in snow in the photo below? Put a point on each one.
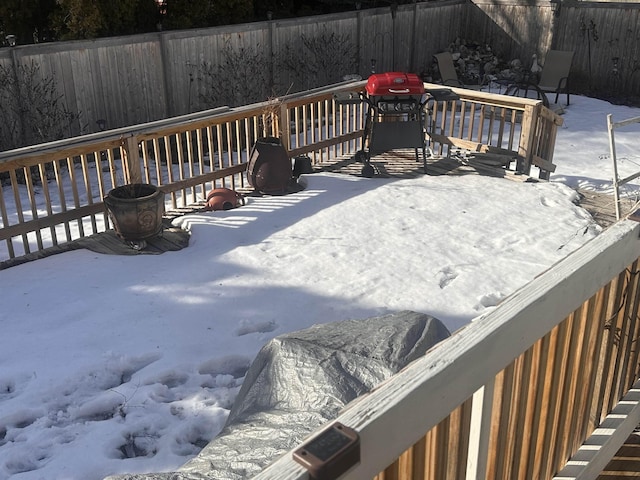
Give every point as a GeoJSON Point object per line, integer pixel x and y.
{"type": "Point", "coordinates": [247, 327]}
{"type": "Point", "coordinates": [446, 276]}
{"type": "Point", "coordinates": [25, 462]}
{"type": "Point", "coordinates": [170, 379]}
{"type": "Point", "coordinates": [548, 202]}
{"type": "Point", "coordinates": [234, 365]}
{"type": "Point", "coordinates": [21, 418]}
{"type": "Point", "coordinates": [489, 300]}
{"type": "Point", "coordinates": [139, 444]}
{"type": "Point", "coordinates": [10, 386]}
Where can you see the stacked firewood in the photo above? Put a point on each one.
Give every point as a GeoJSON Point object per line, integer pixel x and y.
{"type": "Point", "coordinates": [477, 63]}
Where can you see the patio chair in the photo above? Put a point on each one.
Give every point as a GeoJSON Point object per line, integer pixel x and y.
{"type": "Point", "coordinates": [555, 73]}
{"type": "Point", "coordinates": [448, 74]}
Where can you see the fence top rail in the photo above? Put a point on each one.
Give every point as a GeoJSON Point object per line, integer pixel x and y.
{"type": "Point", "coordinates": [473, 355]}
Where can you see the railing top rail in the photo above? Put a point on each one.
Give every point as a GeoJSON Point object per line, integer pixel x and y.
{"type": "Point", "coordinates": [623, 123]}
{"type": "Point", "coordinates": [106, 137]}
{"type": "Point", "coordinates": [495, 99]}
{"type": "Point", "coordinates": [113, 138]}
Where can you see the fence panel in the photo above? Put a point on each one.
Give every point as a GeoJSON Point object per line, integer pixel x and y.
{"type": "Point", "coordinates": [512, 29]}
{"type": "Point", "coordinates": [207, 68]}
{"type": "Point", "coordinates": [604, 37]}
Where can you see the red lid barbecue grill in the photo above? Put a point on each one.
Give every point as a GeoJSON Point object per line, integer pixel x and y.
{"type": "Point", "coordinates": [396, 116]}
{"type": "Point", "coordinates": [395, 84]}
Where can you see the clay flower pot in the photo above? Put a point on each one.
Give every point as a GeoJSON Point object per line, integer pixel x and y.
{"type": "Point", "coordinates": [136, 211]}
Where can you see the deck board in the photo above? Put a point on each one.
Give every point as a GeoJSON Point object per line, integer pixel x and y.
{"type": "Point", "coordinates": [403, 164]}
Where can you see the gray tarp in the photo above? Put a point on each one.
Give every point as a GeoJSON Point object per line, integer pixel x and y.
{"type": "Point", "coordinates": [300, 381]}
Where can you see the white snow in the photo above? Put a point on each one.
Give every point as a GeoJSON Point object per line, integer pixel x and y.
{"type": "Point", "coordinates": [112, 364]}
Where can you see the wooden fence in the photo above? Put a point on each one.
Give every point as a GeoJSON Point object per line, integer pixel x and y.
{"type": "Point", "coordinates": [53, 193]}
{"type": "Point", "coordinates": [543, 387]}
{"type": "Point", "coordinates": [142, 78]}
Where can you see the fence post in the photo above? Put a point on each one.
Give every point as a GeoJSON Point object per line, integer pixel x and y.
{"type": "Point", "coordinates": [169, 103]}
{"type": "Point", "coordinates": [15, 65]}
{"type": "Point", "coordinates": [412, 46]}
{"type": "Point", "coordinates": [270, 42]}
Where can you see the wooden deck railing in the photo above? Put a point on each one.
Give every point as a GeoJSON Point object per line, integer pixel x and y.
{"type": "Point", "coordinates": [53, 193]}
{"type": "Point", "coordinates": [544, 387]}
{"type": "Point", "coordinates": [497, 124]}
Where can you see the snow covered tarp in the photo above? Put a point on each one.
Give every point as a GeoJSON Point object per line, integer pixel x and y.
{"type": "Point", "coordinates": [301, 380]}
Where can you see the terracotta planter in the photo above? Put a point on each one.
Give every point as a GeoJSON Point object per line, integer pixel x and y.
{"type": "Point", "coordinates": [136, 211]}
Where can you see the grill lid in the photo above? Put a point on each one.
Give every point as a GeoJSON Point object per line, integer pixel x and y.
{"type": "Point", "coordinates": [394, 83]}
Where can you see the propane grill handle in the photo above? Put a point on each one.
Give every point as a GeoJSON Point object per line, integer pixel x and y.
{"type": "Point", "coordinates": [404, 90]}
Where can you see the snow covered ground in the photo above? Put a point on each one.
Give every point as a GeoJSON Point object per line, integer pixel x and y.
{"type": "Point", "coordinates": [115, 364]}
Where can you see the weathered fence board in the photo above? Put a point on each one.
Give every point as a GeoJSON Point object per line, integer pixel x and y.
{"type": "Point", "coordinates": [186, 52]}
{"type": "Point", "coordinates": [513, 29]}
{"type": "Point", "coordinates": [116, 79]}
{"type": "Point", "coordinates": [599, 33]}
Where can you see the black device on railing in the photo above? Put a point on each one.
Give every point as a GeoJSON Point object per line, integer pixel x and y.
{"type": "Point", "coordinates": [331, 453]}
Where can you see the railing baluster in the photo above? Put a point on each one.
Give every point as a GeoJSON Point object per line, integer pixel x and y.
{"type": "Point", "coordinates": [87, 187]}
{"type": "Point", "coordinates": [480, 430]}
{"type": "Point", "coordinates": [5, 223]}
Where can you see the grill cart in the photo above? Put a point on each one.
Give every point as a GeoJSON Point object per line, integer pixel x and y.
{"type": "Point", "coordinates": [396, 115]}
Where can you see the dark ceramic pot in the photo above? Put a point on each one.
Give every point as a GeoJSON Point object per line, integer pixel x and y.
{"type": "Point", "coordinates": [269, 170]}
{"type": "Point", "coordinates": [302, 165]}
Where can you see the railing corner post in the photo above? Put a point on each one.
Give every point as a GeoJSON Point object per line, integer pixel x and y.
{"type": "Point", "coordinates": [283, 126]}
{"type": "Point", "coordinates": [527, 137]}
{"type": "Point", "coordinates": [132, 172]}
